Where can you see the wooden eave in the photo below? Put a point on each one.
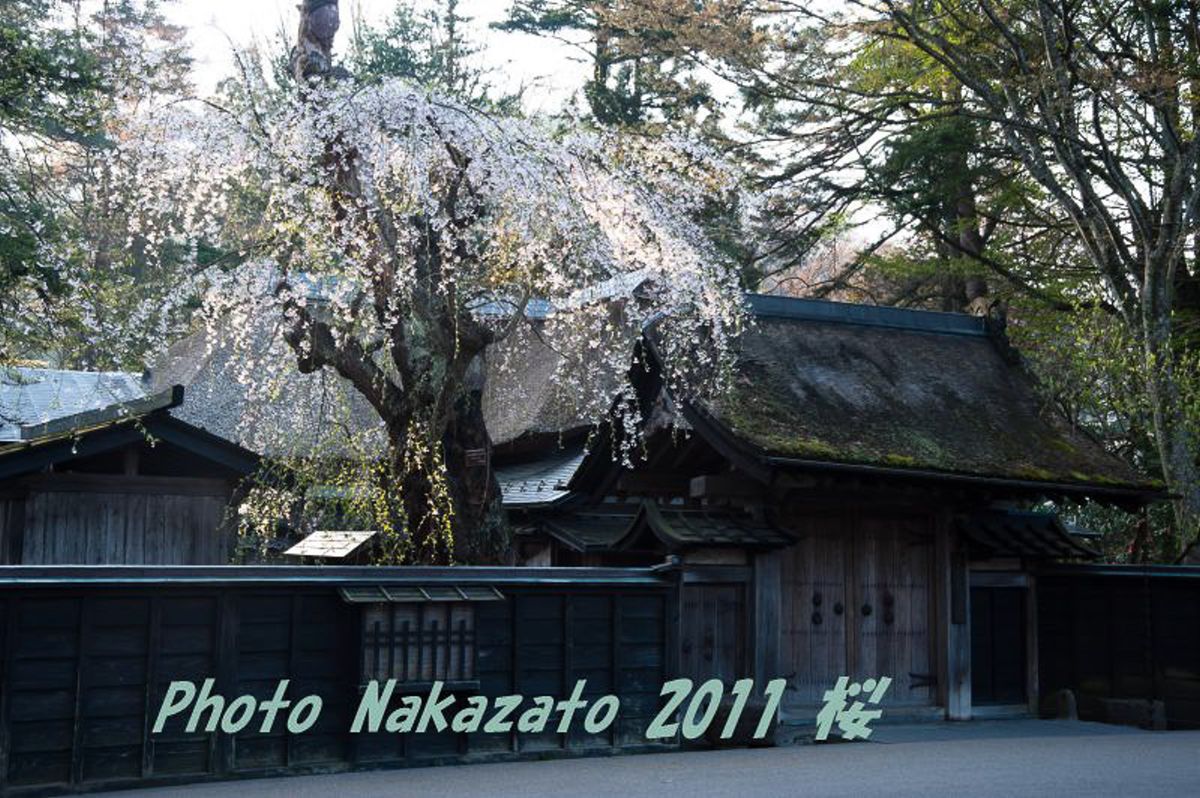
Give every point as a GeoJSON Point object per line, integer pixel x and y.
{"type": "Point", "coordinates": [96, 437]}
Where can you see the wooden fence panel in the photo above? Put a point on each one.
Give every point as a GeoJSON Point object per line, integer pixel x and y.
{"type": "Point", "coordinates": [1122, 632]}
{"type": "Point", "coordinates": [85, 669]}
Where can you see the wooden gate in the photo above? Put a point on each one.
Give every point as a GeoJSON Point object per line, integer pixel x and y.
{"type": "Point", "coordinates": [856, 602]}
{"type": "Point", "coordinates": [998, 661]}
{"type": "Point", "coordinates": [713, 632]}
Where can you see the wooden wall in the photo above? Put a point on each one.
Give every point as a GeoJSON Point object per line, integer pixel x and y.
{"type": "Point", "coordinates": [85, 669]}
{"type": "Point", "coordinates": [1122, 632]}
{"type": "Point", "coordinates": [73, 519]}
{"type": "Point", "coordinates": [12, 526]}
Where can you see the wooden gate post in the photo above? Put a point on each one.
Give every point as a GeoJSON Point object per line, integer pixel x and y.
{"type": "Point", "coordinates": [767, 615]}
{"type": "Point", "coordinates": [953, 628]}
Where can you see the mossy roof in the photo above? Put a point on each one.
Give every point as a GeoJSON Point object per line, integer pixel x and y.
{"type": "Point", "coordinates": [825, 381]}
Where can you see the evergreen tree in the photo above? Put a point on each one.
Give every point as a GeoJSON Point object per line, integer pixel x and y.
{"type": "Point", "coordinates": [638, 77]}
{"type": "Point", "coordinates": [431, 47]}
{"type": "Point", "coordinates": [71, 268]}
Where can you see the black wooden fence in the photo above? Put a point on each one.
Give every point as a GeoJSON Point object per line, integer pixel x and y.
{"type": "Point", "coordinates": [1122, 632]}
{"type": "Point", "coordinates": [88, 654]}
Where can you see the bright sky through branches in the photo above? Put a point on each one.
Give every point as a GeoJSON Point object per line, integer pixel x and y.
{"type": "Point", "coordinates": [549, 70]}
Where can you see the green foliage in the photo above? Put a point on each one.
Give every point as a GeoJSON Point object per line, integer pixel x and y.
{"type": "Point", "coordinates": [72, 272]}
{"type": "Point", "coordinates": [638, 77]}
{"type": "Point", "coordinates": [49, 89]}
{"type": "Point", "coordinates": [51, 84]}
{"type": "Point", "coordinates": [1092, 368]}
{"type": "Point", "coordinates": [921, 170]}
{"type": "Point", "coordinates": [430, 47]}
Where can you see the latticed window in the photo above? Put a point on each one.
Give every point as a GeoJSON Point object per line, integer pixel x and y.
{"type": "Point", "coordinates": [419, 634]}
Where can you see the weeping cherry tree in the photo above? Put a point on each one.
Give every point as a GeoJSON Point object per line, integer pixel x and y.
{"type": "Point", "coordinates": [394, 238]}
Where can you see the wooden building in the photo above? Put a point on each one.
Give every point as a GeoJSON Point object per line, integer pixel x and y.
{"type": "Point", "coordinates": [860, 504]}
{"type": "Point", "coordinates": [93, 471]}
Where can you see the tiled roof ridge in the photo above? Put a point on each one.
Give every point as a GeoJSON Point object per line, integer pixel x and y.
{"type": "Point", "coordinates": [825, 310]}
{"type": "Point", "coordinates": [23, 370]}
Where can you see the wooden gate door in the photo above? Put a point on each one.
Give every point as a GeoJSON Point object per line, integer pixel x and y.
{"type": "Point", "coordinates": [713, 632]}
{"type": "Point", "coordinates": [814, 612]}
{"type": "Point", "coordinates": [998, 645]}
{"type": "Point", "coordinates": [857, 602]}
{"type": "Point", "coordinates": [892, 563]}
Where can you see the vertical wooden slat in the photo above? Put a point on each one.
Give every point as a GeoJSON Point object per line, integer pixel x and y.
{"type": "Point", "coordinates": [568, 625]}
{"type": "Point", "coordinates": [153, 532]}
{"type": "Point", "coordinates": [954, 639]}
{"type": "Point", "coordinates": [436, 651]}
{"type": "Point", "coordinates": [293, 666]}
{"type": "Point", "coordinates": [376, 644]}
{"type": "Point", "coordinates": [6, 506]}
{"type": "Point", "coordinates": [135, 529]}
{"type": "Point", "coordinates": [514, 662]}
{"type": "Point", "coordinates": [391, 612]}
{"type": "Point", "coordinates": [420, 641]}
{"type": "Point", "coordinates": [153, 643]}
{"type": "Point", "coordinates": [8, 645]}
{"type": "Point", "coordinates": [16, 545]}
{"type": "Point", "coordinates": [1031, 647]}
{"type": "Point", "coordinates": [34, 549]}
{"type": "Point", "coordinates": [463, 644]}
{"type": "Point", "coordinates": [81, 683]}
{"type": "Point", "coordinates": [449, 655]}
{"type": "Point", "coordinates": [221, 746]}
{"type": "Point", "coordinates": [115, 531]}
{"type": "Point", "coordinates": [765, 609]}
{"type": "Point", "coordinates": [613, 735]}
{"type": "Point", "coordinates": [406, 641]}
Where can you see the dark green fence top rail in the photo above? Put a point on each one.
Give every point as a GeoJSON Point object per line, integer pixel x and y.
{"type": "Point", "coordinates": [1132, 571]}
{"type": "Point", "coordinates": [118, 575]}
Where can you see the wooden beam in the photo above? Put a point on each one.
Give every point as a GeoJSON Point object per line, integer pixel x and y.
{"type": "Point", "coordinates": [130, 461]}
{"type": "Point", "coordinates": [725, 486]}
{"type": "Point", "coordinates": [716, 574]}
{"type": "Point", "coordinates": [999, 579]}
{"type": "Point", "coordinates": [117, 483]}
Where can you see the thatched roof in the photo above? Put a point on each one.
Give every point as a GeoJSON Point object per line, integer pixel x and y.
{"type": "Point", "coordinates": [827, 382]}
{"type": "Point", "coordinates": [297, 414]}
{"type": "Point", "coordinates": [522, 396]}
{"type": "Point", "coordinates": [322, 414]}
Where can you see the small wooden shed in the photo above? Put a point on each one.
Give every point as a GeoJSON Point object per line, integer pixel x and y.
{"type": "Point", "coordinates": [96, 474]}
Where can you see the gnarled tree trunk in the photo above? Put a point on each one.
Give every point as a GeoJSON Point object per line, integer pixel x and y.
{"type": "Point", "coordinates": [444, 499]}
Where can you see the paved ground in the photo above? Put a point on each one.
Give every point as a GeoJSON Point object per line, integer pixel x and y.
{"type": "Point", "coordinates": [990, 758]}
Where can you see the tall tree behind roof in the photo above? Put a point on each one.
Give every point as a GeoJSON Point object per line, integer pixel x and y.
{"type": "Point", "coordinates": [432, 47]}
{"type": "Point", "coordinates": [1048, 146]}
{"type": "Point", "coordinates": [71, 269]}
{"type": "Point", "coordinates": [637, 77]}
